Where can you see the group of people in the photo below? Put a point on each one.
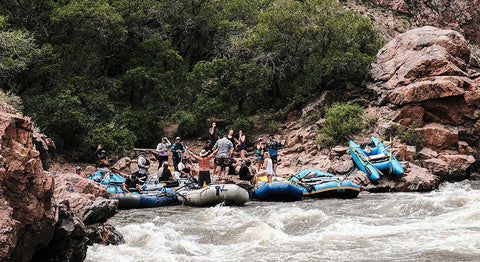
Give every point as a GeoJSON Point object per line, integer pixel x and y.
{"type": "Point", "coordinates": [220, 149]}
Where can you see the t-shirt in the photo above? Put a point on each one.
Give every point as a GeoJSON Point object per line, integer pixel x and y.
{"type": "Point", "coordinates": [224, 147]}
{"type": "Point", "coordinates": [213, 137]}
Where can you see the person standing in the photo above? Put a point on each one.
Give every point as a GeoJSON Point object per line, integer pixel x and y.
{"type": "Point", "coordinates": [260, 151]}
{"type": "Point", "coordinates": [162, 150]}
{"type": "Point", "coordinates": [214, 133]}
{"type": "Point", "coordinates": [177, 150]}
{"type": "Point", "coordinates": [231, 138]}
{"type": "Point", "coordinates": [225, 152]}
{"type": "Point", "coordinates": [203, 166]}
{"type": "Point", "coordinates": [241, 144]}
{"type": "Point", "coordinates": [272, 146]}
{"type": "Point", "coordinates": [143, 165]}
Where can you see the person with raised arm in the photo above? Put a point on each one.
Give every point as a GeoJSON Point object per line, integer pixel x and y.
{"type": "Point", "coordinates": [203, 166]}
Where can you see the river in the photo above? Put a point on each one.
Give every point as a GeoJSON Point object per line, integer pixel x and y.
{"type": "Point", "coordinates": [442, 225]}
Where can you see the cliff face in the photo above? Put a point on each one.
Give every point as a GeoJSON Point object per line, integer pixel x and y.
{"type": "Point", "coordinates": [45, 217]}
{"type": "Point", "coordinates": [28, 212]}
{"type": "Point", "coordinates": [459, 15]}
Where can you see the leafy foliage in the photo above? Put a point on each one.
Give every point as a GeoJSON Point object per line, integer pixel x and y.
{"type": "Point", "coordinates": [81, 66]}
{"type": "Point", "coordinates": [343, 120]}
{"type": "Point", "coordinates": [241, 123]}
{"type": "Point", "coordinates": [410, 135]}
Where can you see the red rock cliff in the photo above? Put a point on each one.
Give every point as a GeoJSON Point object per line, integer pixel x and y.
{"type": "Point", "coordinates": [28, 212]}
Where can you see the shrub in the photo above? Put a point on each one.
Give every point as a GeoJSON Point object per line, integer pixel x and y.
{"type": "Point", "coordinates": [189, 124]}
{"type": "Point", "coordinates": [242, 123]}
{"type": "Point", "coordinates": [410, 135]}
{"type": "Point", "coordinates": [12, 100]}
{"type": "Point", "coordinates": [113, 137]}
{"type": "Point", "coordinates": [343, 120]}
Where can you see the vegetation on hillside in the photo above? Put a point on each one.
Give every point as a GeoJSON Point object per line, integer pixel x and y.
{"type": "Point", "coordinates": [115, 70]}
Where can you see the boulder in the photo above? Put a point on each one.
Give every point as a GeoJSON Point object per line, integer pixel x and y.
{"type": "Point", "coordinates": [416, 179]}
{"type": "Point", "coordinates": [28, 216]}
{"type": "Point", "coordinates": [461, 15]}
{"type": "Point", "coordinates": [450, 167]}
{"type": "Point", "coordinates": [457, 166]}
{"type": "Point", "coordinates": [438, 137]}
{"type": "Point", "coordinates": [404, 152]}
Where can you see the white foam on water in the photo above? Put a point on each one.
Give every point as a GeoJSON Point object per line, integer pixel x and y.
{"type": "Point", "coordinates": [435, 226]}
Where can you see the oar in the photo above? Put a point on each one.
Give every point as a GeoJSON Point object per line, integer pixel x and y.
{"type": "Point", "coordinates": [299, 179]}
{"type": "Point", "coordinates": [364, 159]}
{"type": "Point", "coordinates": [345, 177]}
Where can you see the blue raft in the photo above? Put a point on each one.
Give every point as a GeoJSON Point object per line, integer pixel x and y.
{"type": "Point", "coordinates": [111, 180]}
{"type": "Point", "coordinates": [319, 184]}
{"type": "Point", "coordinates": [375, 159]}
{"type": "Point", "coordinates": [164, 197]}
{"type": "Point", "coordinates": [276, 191]}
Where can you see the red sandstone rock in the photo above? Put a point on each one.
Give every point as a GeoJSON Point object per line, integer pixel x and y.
{"type": "Point", "coordinates": [28, 214]}
{"type": "Point", "coordinates": [461, 15]}
{"type": "Point", "coordinates": [416, 179]}
{"type": "Point", "coordinates": [437, 136]}
{"type": "Point", "coordinates": [404, 152]}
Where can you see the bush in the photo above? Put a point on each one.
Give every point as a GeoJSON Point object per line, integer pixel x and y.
{"type": "Point", "coordinates": [190, 125]}
{"type": "Point", "coordinates": [243, 124]}
{"type": "Point", "coordinates": [12, 100]}
{"type": "Point", "coordinates": [410, 135]}
{"type": "Point", "coordinates": [147, 125]}
{"type": "Point", "coordinates": [113, 137]}
{"type": "Point", "coordinates": [343, 120]}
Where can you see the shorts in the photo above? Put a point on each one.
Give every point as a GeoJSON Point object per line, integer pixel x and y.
{"type": "Point", "coordinates": [274, 159]}
{"type": "Point", "coordinates": [260, 158]}
{"type": "Point", "coordinates": [222, 160]}
{"type": "Point", "coordinates": [204, 177]}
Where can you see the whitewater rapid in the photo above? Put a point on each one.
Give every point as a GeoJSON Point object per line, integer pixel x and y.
{"type": "Point", "coordinates": [443, 225]}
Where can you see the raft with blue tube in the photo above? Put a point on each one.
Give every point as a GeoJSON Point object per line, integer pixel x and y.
{"type": "Point", "coordinates": [113, 181]}
{"type": "Point", "coordinates": [319, 184]}
{"type": "Point", "coordinates": [147, 199]}
{"type": "Point", "coordinates": [277, 190]}
{"type": "Point", "coordinates": [375, 159]}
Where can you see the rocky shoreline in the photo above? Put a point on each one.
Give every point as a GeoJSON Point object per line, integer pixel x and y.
{"type": "Point", "coordinates": [426, 76]}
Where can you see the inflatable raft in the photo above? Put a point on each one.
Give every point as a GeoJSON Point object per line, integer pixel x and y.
{"type": "Point", "coordinates": [163, 197]}
{"type": "Point", "coordinates": [277, 190]}
{"type": "Point", "coordinates": [375, 159]}
{"type": "Point", "coordinates": [319, 184]}
{"type": "Point", "coordinates": [111, 180]}
{"type": "Point", "coordinates": [211, 195]}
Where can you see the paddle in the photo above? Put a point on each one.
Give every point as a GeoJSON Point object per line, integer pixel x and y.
{"type": "Point", "coordinates": [299, 179]}
{"type": "Point", "coordinates": [364, 159]}
{"type": "Point", "coordinates": [345, 177]}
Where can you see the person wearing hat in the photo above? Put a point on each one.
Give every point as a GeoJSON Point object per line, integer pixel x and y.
{"type": "Point", "coordinates": [101, 157]}
{"type": "Point", "coordinates": [177, 150]}
{"type": "Point", "coordinates": [132, 184]}
{"type": "Point", "coordinates": [203, 166]}
{"type": "Point", "coordinates": [78, 171]}
{"type": "Point", "coordinates": [162, 150]}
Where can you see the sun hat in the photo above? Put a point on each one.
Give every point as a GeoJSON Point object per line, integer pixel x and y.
{"type": "Point", "coordinates": [203, 153]}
